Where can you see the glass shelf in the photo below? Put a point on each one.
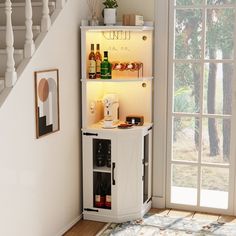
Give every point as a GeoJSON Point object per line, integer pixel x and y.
{"type": "Point", "coordinates": [102, 169]}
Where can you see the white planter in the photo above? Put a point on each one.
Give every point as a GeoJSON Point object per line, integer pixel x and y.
{"type": "Point", "coordinates": [110, 16]}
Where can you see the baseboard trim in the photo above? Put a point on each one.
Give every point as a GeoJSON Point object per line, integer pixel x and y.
{"type": "Point", "coordinates": [158, 202]}
{"type": "Point", "coordinates": [72, 223]}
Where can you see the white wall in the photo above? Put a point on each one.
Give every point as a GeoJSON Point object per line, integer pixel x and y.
{"type": "Point", "coordinates": [40, 179]}
{"type": "Point", "coordinates": [141, 7]}
{"type": "Point", "coordinates": [138, 7]}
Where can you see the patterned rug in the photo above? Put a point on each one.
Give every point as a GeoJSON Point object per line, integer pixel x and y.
{"type": "Point", "coordinates": [155, 224]}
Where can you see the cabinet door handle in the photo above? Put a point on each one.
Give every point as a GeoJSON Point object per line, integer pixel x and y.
{"type": "Point", "coordinates": [113, 170]}
{"type": "Point", "coordinates": [90, 134]}
{"type": "Point", "coordinates": [89, 209]}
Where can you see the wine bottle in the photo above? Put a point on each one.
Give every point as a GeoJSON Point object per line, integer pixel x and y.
{"type": "Point", "coordinates": [105, 67]}
{"type": "Point", "coordinates": [109, 155]}
{"type": "Point", "coordinates": [100, 157]}
{"type": "Point", "coordinates": [98, 58]}
{"type": "Point", "coordinates": [92, 64]}
{"type": "Point", "coordinates": [108, 195]}
{"type": "Point", "coordinates": [100, 193]}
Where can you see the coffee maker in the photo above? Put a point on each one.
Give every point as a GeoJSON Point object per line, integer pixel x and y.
{"type": "Point", "coordinates": [111, 106]}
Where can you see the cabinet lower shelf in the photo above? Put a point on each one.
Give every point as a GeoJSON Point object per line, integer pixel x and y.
{"type": "Point", "coordinates": [102, 169]}
{"type": "Point", "coordinates": [106, 215]}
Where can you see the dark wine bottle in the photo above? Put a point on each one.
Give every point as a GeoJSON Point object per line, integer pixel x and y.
{"type": "Point", "coordinates": [100, 195]}
{"type": "Point", "coordinates": [109, 155]}
{"type": "Point", "coordinates": [98, 58]}
{"type": "Point", "coordinates": [100, 157]}
{"type": "Point", "coordinates": [108, 195]}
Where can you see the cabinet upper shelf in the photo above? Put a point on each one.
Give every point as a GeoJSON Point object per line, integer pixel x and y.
{"type": "Point", "coordinates": [115, 80]}
{"type": "Point", "coordinates": [117, 27]}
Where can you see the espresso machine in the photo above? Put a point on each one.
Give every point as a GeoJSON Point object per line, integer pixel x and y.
{"type": "Point", "coordinates": [111, 105]}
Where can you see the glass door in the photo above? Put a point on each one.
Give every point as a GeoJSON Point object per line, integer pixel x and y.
{"type": "Point", "coordinates": [201, 83]}
{"type": "Point", "coordinates": [146, 168]}
{"type": "Point", "coordinates": [102, 173]}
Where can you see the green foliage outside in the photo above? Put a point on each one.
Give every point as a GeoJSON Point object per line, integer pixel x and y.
{"type": "Point", "coordinates": [189, 75]}
{"type": "Point", "coordinates": [219, 44]}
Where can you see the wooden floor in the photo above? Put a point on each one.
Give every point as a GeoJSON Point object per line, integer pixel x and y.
{"type": "Point", "coordinates": [85, 228]}
{"type": "Point", "coordinates": [91, 228]}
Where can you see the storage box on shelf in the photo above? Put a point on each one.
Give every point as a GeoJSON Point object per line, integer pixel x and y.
{"type": "Point", "coordinates": [117, 162]}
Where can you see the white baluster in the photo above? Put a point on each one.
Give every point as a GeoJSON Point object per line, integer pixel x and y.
{"type": "Point", "coordinates": [60, 4]}
{"type": "Point", "coordinates": [29, 46]}
{"type": "Point", "coordinates": [10, 74]}
{"type": "Point", "coordinates": [46, 20]}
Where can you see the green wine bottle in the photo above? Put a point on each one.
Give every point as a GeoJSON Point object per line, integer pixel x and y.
{"type": "Point", "coordinates": [105, 67]}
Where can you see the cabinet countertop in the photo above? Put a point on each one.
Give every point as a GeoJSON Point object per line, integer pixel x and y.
{"type": "Point", "coordinates": [99, 127]}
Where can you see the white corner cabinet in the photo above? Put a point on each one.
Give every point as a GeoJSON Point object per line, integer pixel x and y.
{"type": "Point", "coordinates": [117, 163]}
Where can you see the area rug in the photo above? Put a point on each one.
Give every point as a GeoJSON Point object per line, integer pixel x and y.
{"type": "Point", "coordinates": [155, 224]}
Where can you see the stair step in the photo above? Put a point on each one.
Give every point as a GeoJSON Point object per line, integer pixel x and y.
{"type": "Point", "coordinates": [2, 84]}
{"type": "Point", "coordinates": [18, 12]}
{"type": "Point", "coordinates": [18, 57]}
{"type": "Point", "coordinates": [19, 36]}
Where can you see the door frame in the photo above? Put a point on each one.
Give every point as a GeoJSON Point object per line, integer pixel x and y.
{"type": "Point", "coordinates": [160, 103]}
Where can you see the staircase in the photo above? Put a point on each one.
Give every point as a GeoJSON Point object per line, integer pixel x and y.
{"type": "Point", "coordinates": [23, 26]}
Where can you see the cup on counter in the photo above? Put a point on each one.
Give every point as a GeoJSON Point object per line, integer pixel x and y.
{"type": "Point", "coordinates": [108, 124]}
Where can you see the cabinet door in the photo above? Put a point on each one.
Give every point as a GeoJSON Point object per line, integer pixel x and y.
{"type": "Point", "coordinates": [98, 173]}
{"type": "Point", "coordinates": [87, 172]}
{"type": "Point", "coordinates": [129, 172]}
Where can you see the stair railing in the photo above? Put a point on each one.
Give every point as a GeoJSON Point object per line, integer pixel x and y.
{"type": "Point", "coordinates": [10, 74]}
{"type": "Point", "coordinates": [46, 20]}
{"type": "Point", "coordinates": [29, 46]}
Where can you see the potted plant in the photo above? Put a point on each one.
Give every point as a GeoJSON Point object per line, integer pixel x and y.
{"type": "Point", "coordinates": [110, 12]}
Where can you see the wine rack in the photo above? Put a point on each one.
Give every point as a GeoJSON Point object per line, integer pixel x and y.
{"type": "Point", "coordinates": [117, 35]}
{"type": "Point", "coordinates": [136, 69]}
